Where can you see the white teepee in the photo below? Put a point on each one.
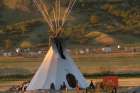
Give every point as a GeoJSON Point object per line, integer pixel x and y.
{"type": "Point", "coordinates": [55, 69]}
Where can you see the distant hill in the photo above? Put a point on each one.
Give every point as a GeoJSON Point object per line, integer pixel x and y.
{"type": "Point", "coordinates": [118, 19]}
{"type": "Point", "coordinates": [23, 5]}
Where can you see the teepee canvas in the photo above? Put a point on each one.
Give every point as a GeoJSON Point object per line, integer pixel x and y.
{"type": "Point", "coordinates": [58, 67]}
{"type": "Point", "coordinates": [57, 70]}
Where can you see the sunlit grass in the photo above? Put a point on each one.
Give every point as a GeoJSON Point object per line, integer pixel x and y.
{"type": "Point", "coordinates": [19, 69]}
{"type": "Point", "coordinates": [87, 64]}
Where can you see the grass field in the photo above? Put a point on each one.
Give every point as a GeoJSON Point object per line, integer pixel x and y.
{"type": "Point", "coordinates": [87, 64]}
{"type": "Point", "coordinates": [20, 67]}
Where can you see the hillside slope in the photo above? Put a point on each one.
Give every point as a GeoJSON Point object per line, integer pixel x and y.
{"type": "Point", "coordinates": [119, 19]}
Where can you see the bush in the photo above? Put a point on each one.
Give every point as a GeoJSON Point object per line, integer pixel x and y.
{"type": "Point", "coordinates": [26, 44]}
{"type": "Point", "coordinates": [94, 19]}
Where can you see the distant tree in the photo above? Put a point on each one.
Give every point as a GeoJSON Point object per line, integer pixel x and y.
{"type": "Point", "coordinates": [75, 34]}
{"type": "Point", "coordinates": [124, 14]}
{"type": "Point", "coordinates": [8, 44]}
{"type": "Point", "coordinates": [25, 44]}
{"type": "Point", "coordinates": [1, 9]}
{"type": "Point", "coordinates": [108, 7]}
{"type": "Point", "coordinates": [8, 28]}
{"type": "Point", "coordinates": [94, 19]}
{"type": "Point", "coordinates": [10, 3]}
{"type": "Point", "coordinates": [23, 29]}
{"type": "Point", "coordinates": [110, 28]}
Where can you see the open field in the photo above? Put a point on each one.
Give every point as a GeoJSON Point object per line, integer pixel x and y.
{"type": "Point", "coordinates": [87, 64]}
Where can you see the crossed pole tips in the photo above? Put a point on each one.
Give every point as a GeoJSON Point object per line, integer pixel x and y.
{"type": "Point", "coordinates": [58, 17]}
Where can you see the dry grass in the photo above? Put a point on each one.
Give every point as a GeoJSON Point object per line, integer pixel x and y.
{"type": "Point", "coordinates": [87, 64]}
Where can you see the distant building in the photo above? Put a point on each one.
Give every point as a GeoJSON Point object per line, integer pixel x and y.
{"type": "Point", "coordinates": [107, 49]}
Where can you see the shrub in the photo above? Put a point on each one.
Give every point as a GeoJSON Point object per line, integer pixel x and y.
{"type": "Point", "coordinates": [26, 44]}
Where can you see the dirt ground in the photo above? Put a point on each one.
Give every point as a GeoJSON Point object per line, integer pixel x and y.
{"type": "Point", "coordinates": [125, 82]}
